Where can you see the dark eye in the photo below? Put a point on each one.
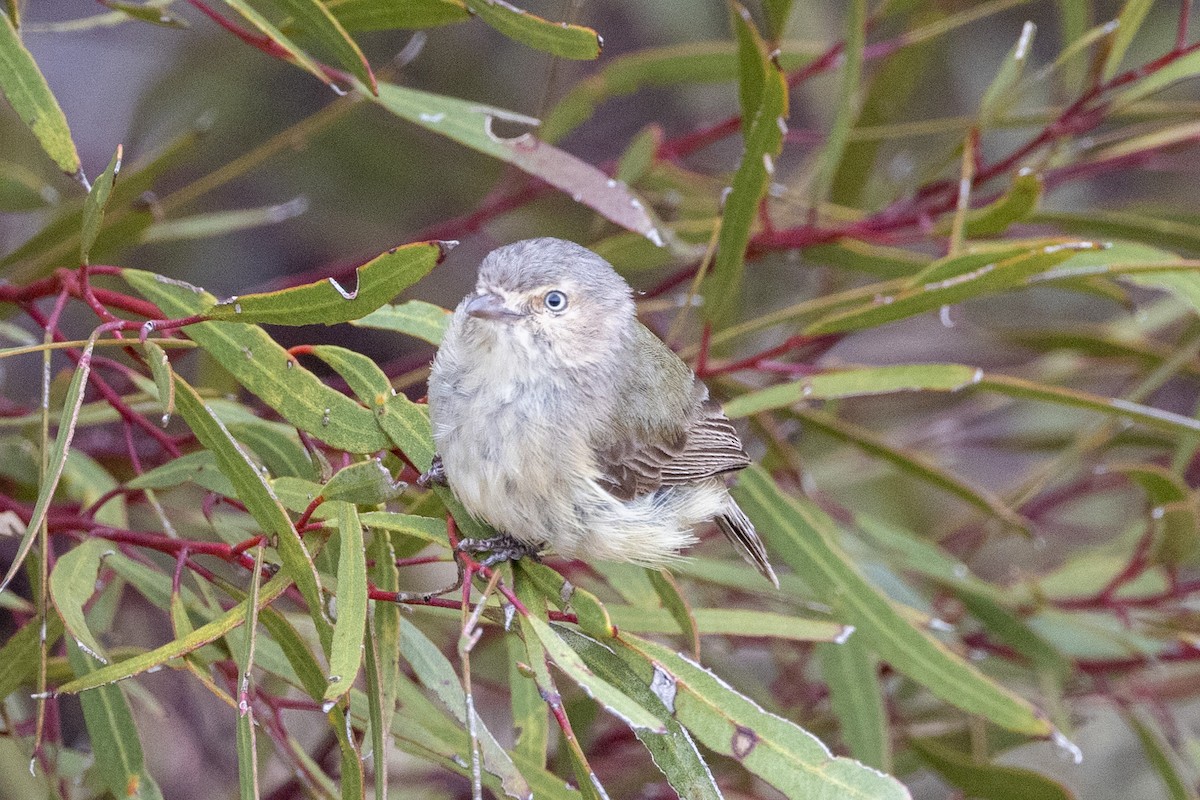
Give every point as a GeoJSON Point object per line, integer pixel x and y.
{"type": "Point", "coordinates": [555, 301]}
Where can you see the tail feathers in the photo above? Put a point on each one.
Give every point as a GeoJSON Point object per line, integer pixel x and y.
{"type": "Point", "coordinates": [738, 528]}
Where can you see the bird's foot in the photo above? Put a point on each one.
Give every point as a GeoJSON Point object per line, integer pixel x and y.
{"type": "Point", "coordinates": [499, 549]}
{"type": "Point", "coordinates": [436, 475]}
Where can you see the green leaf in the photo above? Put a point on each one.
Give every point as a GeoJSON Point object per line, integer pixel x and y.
{"type": "Point", "coordinates": [328, 302]}
{"type": "Point", "coordinates": [1181, 69]}
{"type": "Point", "coordinates": [203, 635]}
{"type": "Point", "coordinates": [324, 27]}
{"type": "Point", "coordinates": [690, 62]}
{"type": "Point", "coordinates": [345, 654]}
{"type": "Point", "coordinates": [72, 584]}
{"type": "Point", "coordinates": [267, 29]}
{"type": "Point", "coordinates": [94, 205]}
{"type": "Point", "coordinates": [30, 96]}
{"type": "Point", "coordinates": [277, 445]}
{"type": "Point", "coordinates": [258, 496]}
{"type": "Point", "coordinates": [199, 467]}
{"type": "Point", "coordinates": [1002, 93]}
{"type": "Point", "coordinates": [1175, 779]}
{"type": "Point", "coordinates": [152, 11]}
{"type": "Point", "coordinates": [988, 279]}
{"type": "Point", "coordinates": [639, 155]}
{"type": "Point", "coordinates": [563, 39]}
{"type": "Point", "coordinates": [266, 369]}
{"type": "Point", "coordinates": [164, 378]}
{"type": "Point", "coordinates": [1015, 205]}
{"type": "Point", "coordinates": [986, 780]}
{"type": "Point", "coordinates": [471, 124]}
{"type": "Point", "coordinates": [413, 318]}
{"type": "Point", "coordinates": [55, 461]}
{"type": "Point", "coordinates": [22, 189]}
{"type": "Point", "coordinates": [113, 735]}
{"type": "Point", "coordinates": [777, 13]}
{"type": "Point", "coordinates": [382, 655]}
{"type": "Point", "coordinates": [380, 15]}
{"type": "Point", "coordinates": [764, 140]}
{"type": "Point", "coordinates": [861, 382]}
{"type": "Point", "coordinates": [673, 751]}
{"type": "Point", "coordinates": [1133, 13]}
{"type": "Point", "coordinates": [221, 223]}
{"type": "Point", "coordinates": [243, 653]}
{"type": "Point", "coordinates": [426, 529]}
{"type": "Point", "coordinates": [884, 262]}
{"type": "Point", "coordinates": [21, 652]}
{"type": "Point", "coordinates": [611, 698]}
{"type": "Point", "coordinates": [851, 671]}
{"type": "Point", "coordinates": [57, 243]}
{"type": "Point", "coordinates": [826, 167]}
{"type": "Point", "coordinates": [780, 752]}
{"type": "Point", "coordinates": [407, 425]}
{"type": "Point", "coordinates": [1173, 510]}
{"type": "Point", "coordinates": [726, 622]}
{"type": "Point", "coordinates": [672, 599]}
{"type": "Point", "coordinates": [531, 723]}
{"type": "Point", "coordinates": [368, 382]}
{"type": "Point", "coordinates": [806, 539]}
{"type": "Point", "coordinates": [367, 483]}
{"type": "Point", "coordinates": [592, 615]}
{"type": "Point", "coordinates": [436, 672]}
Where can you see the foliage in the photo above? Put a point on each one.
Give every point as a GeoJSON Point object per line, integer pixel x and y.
{"type": "Point", "coordinates": [972, 404]}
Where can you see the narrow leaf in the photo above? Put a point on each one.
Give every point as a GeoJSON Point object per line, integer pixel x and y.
{"type": "Point", "coordinates": [381, 15]}
{"type": "Point", "coordinates": [316, 20]}
{"type": "Point", "coordinates": [113, 735]}
{"type": "Point", "coordinates": [368, 382]}
{"type": "Point", "coordinates": [30, 96]}
{"type": "Point", "coordinates": [563, 39]}
{"type": "Point", "coordinates": [763, 142]}
{"type": "Point", "coordinates": [345, 654]}
{"type": "Point", "coordinates": [1130, 20]}
{"type": "Point", "coordinates": [72, 584]}
{"type": "Point", "coordinates": [780, 752]}
{"type": "Point", "coordinates": [328, 302]}
{"type": "Point", "coordinates": [471, 124]}
{"type": "Point", "coordinates": [609, 697]}
{"type": "Point", "coordinates": [164, 377]}
{"type": "Point", "coordinates": [266, 369]}
{"type": "Point", "coordinates": [55, 461]}
{"type": "Point", "coordinates": [259, 498]}
{"type": "Point", "coordinates": [267, 29]}
{"type": "Point", "coordinates": [851, 672]}
{"type": "Point", "coordinates": [1001, 94]}
{"type": "Point", "coordinates": [94, 205]}
{"type": "Point", "coordinates": [414, 318]}
{"type": "Point", "coordinates": [806, 539]}
{"type": "Point", "coordinates": [986, 780]}
{"type": "Point", "coordinates": [367, 483]}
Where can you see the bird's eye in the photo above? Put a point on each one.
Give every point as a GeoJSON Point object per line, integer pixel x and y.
{"type": "Point", "coordinates": [555, 301]}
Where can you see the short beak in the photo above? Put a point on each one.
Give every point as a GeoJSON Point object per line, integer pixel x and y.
{"type": "Point", "coordinates": [489, 306]}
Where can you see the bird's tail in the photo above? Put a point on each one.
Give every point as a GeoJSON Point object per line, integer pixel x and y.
{"type": "Point", "coordinates": [734, 523]}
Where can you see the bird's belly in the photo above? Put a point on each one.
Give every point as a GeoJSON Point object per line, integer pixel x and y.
{"type": "Point", "coordinates": [511, 466]}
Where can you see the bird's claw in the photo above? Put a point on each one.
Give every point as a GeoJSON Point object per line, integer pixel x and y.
{"type": "Point", "coordinates": [434, 476]}
{"type": "Point", "coordinates": [499, 549]}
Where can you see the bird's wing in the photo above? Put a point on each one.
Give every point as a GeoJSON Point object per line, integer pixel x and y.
{"type": "Point", "coordinates": [641, 462]}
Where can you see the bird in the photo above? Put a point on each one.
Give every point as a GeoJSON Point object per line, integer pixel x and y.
{"type": "Point", "coordinates": [569, 427]}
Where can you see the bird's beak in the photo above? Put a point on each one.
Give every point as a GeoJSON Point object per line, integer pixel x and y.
{"type": "Point", "coordinates": [490, 306]}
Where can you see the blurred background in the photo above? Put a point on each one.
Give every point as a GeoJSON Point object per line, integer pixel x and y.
{"type": "Point", "coordinates": [330, 194]}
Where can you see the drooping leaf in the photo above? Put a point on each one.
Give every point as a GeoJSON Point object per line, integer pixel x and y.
{"type": "Point", "coordinates": [780, 752]}
{"type": "Point", "coordinates": [1002, 93]}
{"type": "Point", "coordinates": [988, 780]}
{"type": "Point", "coordinates": [471, 124]}
{"type": "Point", "coordinates": [806, 539]}
{"type": "Point", "coordinates": [324, 27]}
{"type": "Point", "coordinates": [851, 672]}
{"type": "Point", "coordinates": [30, 96]}
{"type": "Point", "coordinates": [113, 734]}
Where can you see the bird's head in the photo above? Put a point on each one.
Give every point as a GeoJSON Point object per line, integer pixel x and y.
{"type": "Point", "coordinates": [553, 300]}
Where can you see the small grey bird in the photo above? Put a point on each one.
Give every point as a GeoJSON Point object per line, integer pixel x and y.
{"type": "Point", "coordinates": [567, 425]}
